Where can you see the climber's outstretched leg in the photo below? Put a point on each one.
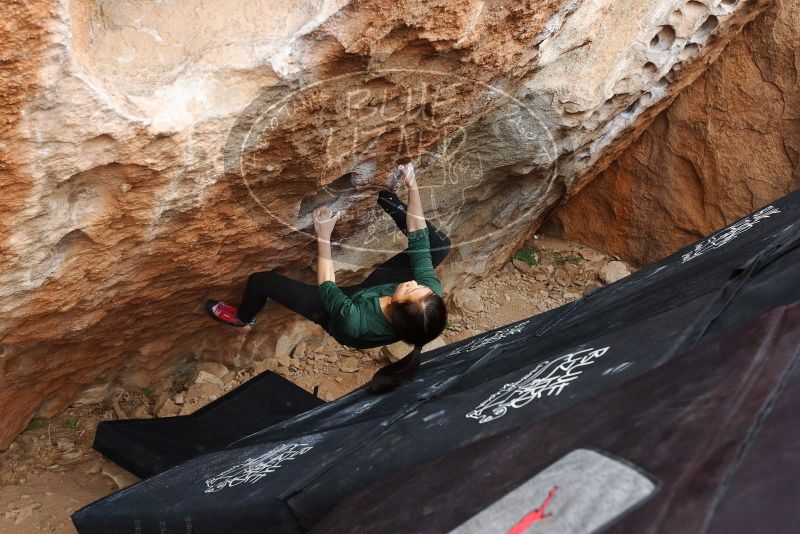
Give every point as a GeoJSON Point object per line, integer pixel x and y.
{"type": "Point", "coordinates": [301, 298]}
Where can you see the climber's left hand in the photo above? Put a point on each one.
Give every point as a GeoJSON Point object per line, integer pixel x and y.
{"type": "Point", "coordinates": [324, 222]}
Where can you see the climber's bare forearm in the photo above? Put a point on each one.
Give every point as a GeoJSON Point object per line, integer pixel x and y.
{"type": "Point", "coordinates": [325, 270]}
{"type": "Point", "coordinates": [415, 218]}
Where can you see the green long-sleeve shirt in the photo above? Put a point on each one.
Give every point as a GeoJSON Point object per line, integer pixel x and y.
{"type": "Point", "coordinates": [357, 321]}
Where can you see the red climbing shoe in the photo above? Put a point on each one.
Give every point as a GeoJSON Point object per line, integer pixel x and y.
{"type": "Point", "coordinates": [224, 313]}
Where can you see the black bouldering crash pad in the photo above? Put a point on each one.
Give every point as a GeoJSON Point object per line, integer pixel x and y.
{"type": "Point", "coordinates": [148, 446]}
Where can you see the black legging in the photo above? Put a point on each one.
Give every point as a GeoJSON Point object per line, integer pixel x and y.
{"type": "Point", "coordinates": [305, 298]}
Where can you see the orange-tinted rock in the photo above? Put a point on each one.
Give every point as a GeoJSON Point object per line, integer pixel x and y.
{"type": "Point", "coordinates": [156, 153]}
{"type": "Point", "coordinates": [728, 145]}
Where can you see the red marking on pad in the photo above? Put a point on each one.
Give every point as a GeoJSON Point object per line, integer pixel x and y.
{"type": "Point", "coordinates": [534, 516]}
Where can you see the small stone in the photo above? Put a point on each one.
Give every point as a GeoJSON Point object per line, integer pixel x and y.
{"type": "Point", "coordinates": [160, 400]}
{"type": "Point", "coordinates": [396, 351]}
{"type": "Point", "coordinates": [118, 411]}
{"type": "Point", "coordinates": [540, 272]}
{"type": "Point", "coordinates": [326, 394]}
{"type": "Point", "coordinates": [74, 455]}
{"type": "Point", "coordinates": [562, 277]}
{"type": "Point", "coordinates": [521, 266]}
{"type": "Point", "coordinates": [299, 351]}
{"type": "Point", "coordinates": [179, 398]}
{"type": "Point", "coordinates": [93, 394]}
{"type": "Point", "coordinates": [467, 300]}
{"type": "Point", "coordinates": [590, 255]}
{"type": "Point", "coordinates": [229, 378]}
{"type": "Point", "coordinates": [508, 267]}
{"type": "Point", "coordinates": [349, 365]}
{"type": "Point", "coordinates": [292, 336]}
{"type": "Point", "coordinates": [535, 287]}
{"type": "Point", "coordinates": [169, 409]}
{"type": "Point", "coordinates": [215, 368]}
{"type": "Point", "coordinates": [204, 391]}
{"type": "Point", "coordinates": [142, 412]}
{"type": "Point", "coordinates": [120, 477]}
{"type": "Point", "coordinates": [433, 345]}
{"type": "Point", "coordinates": [284, 360]}
{"type": "Point", "coordinates": [25, 513]}
{"type": "Point", "coordinates": [260, 366]}
{"type": "Point", "coordinates": [590, 288]}
{"type": "Point", "coordinates": [371, 354]}
{"type": "Point", "coordinates": [206, 377]}
{"type": "Point", "coordinates": [613, 271]}
{"type": "Point", "coordinates": [64, 444]}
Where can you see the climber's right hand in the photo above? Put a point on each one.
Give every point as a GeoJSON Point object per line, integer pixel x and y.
{"type": "Point", "coordinates": [324, 222]}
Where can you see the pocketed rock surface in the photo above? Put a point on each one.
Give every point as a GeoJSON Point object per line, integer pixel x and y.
{"type": "Point", "coordinates": [728, 145]}
{"type": "Point", "coordinates": [50, 470]}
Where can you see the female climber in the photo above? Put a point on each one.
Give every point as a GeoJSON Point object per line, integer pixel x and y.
{"type": "Point", "coordinates": [400, 300]}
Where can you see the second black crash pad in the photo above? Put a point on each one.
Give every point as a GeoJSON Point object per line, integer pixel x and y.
{"type": "Point", "coordinates": [149, 446]}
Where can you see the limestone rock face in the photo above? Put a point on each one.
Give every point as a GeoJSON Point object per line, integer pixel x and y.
{"type": "Point", "coordinates": [155, 153]}
{"type": "Point", "coordinates": [728, 145]}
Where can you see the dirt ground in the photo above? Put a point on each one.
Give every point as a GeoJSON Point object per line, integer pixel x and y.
{"type": "Point", "coordinates": [51, 470]}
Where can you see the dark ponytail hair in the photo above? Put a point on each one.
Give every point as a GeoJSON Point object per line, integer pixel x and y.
{"type": "Point", "coordinates": [416, 323]}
